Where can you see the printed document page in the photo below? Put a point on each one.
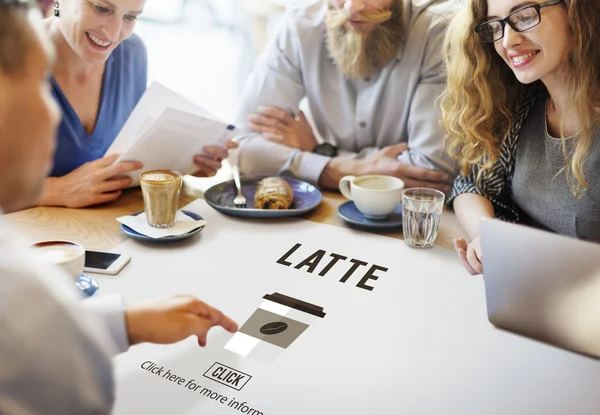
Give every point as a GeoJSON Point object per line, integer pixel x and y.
{"type": "Point", "coordinates": [165, 131]}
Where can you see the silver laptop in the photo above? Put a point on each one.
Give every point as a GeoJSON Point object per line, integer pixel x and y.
{"type": "Point", "coordinates": [542, 285]}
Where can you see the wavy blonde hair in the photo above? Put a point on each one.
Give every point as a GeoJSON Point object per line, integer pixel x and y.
{"type": "Point", "coordinates": [482, 97]}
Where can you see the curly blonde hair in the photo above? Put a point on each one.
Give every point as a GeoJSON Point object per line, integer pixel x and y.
{"type": "Point", "coordinates": [482, 95]}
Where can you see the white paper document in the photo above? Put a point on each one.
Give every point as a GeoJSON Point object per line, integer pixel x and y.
{"type": "Point", "coordinates": [165, 131]}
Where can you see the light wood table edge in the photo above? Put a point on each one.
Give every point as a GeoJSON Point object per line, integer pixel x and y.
{"type": "Point", "coordinates": [96, 227]}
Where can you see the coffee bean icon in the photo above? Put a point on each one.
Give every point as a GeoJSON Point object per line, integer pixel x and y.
{"type": "Point", "coordinates": [275, 327]}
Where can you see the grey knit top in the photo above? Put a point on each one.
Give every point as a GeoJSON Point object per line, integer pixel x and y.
{"type": "Point", "coordinates": [523, 185]}
{"type": "Point", "coordinates": [540, 189]}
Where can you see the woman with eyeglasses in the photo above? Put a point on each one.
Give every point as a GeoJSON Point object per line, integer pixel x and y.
{"type": "Point", "coordinates": [522, 111]}
{"type": "Point", "coordinates": [99, 75]}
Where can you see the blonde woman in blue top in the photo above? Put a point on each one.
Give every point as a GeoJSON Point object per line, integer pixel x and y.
{"type": "Point", "coordinates": [99, 76]}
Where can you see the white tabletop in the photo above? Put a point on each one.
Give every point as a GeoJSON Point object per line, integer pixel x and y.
{"type": "Point", "coordinates": [418, 343]}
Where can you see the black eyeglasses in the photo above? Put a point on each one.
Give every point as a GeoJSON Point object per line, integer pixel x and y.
{"type": "Point", "coordinates": [520, 20]}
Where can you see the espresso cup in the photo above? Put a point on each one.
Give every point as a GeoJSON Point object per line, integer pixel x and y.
{"type": "Point", "coordinates": [70, 256]}
{"type": "Point", "coordinates": [375, 196]}
{"type": "Point", "coordinates": [160, 189]}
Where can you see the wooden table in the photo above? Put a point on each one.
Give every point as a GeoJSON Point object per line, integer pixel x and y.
{"type": "Point", "coordinates": [96, 227]}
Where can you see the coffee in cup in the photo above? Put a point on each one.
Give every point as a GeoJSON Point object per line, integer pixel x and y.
{"type": "Point", "coordinates": [375, 196]}
{"type": "Point", "coordinates": [160, 189]}
{"type": "Point", "coordinates": [68, 255]}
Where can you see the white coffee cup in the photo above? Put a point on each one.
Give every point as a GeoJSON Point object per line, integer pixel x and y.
{"type": "Point", "coordinates": [68, 255]}
{"type": "Point", "coordinates": [375, 196]}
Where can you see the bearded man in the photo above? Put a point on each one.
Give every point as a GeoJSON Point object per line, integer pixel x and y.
{"type": "Point", "coordinates": [370, 72]}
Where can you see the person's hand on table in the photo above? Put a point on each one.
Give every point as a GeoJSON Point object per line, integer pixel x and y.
{"type": "Point", "coordinates": [281, 127]}
{"type": "Point", "coordinates": [172, 319]}
{"type": "Point", "coordinates": [95, 182]}
{"type": "Point", "coordinates": [385, 162]}
{"type": "Point", "coordinates": [211, 161]}
{"type": "Point", "coordinates": [470, 255]}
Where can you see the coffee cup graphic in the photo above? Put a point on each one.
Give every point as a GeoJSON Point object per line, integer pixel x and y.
{"type": "Point", "coordinates": [273, 327]}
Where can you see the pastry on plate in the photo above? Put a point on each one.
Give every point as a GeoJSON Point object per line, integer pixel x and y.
{"type": "Point", "coordinates": [273, 193]}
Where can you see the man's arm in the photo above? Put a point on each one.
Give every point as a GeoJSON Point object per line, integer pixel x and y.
{"type": "Point", "coordinates": [426, 138]}
{"type": "Point", "coordinates": [276, 81]}
{"type": "Point", "coordinates": [109, 313]}
{"type": "Point", "coordinates": [51, 362]}
{"type": "Point", "coordinates": [384, 162]}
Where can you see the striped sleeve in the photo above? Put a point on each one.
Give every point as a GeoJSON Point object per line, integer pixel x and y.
{"type": "Point", "coordinates": [495, 183]}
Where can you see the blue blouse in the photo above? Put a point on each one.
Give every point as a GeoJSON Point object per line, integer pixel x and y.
{"type": "Point", "coordinates": [125, 79]}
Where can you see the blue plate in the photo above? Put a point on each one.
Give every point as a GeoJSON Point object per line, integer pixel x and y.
{"type": "Point", "coordinates": [306, 198]}
{"type": "Point", "coordinates": [352, 215]}
{"type": "Point", "coordinates": [88, 286]}
{"type": "Point", "coordinates": [165, 239]}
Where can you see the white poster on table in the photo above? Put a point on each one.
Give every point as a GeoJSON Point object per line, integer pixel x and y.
{"type": "Point", "coordinates": [334, 321]}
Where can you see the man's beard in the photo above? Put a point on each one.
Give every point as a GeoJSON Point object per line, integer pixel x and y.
{"type": "Point", "coordinates": [357, 54]}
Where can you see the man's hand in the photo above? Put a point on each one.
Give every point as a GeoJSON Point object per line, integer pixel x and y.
{"type": "Point", "coordinates": [385, 162]}
{"type": "Point", "coordinates": [172, 319]}
{"type": "Point", "coordinates": [97, 181]}
{"type": "Point", "coordinates": [281, 127]}
{"type": "Point", "coordinates": [470, 255]}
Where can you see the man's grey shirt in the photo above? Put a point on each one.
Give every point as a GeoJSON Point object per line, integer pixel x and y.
{"type": "Point", "coordinates": [55, 348]}
{"type": "Point", "coordinates": [396, 105]}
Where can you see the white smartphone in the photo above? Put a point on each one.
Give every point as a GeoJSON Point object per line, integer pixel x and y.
{"type": "Point", "coordinates": [105, 262]}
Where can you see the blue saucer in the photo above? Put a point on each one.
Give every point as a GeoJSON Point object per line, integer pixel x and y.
{"type": "Point", "coordinates": [165, 239]}
{"type": "Point", "coordinates": [88, 286]}
{"type": "Point", "coordinates": [352, 215]}
{"type": "Point", "coordinates": [220, 197]}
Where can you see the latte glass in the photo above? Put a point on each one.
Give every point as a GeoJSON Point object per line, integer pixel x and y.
{"type": "Point", "coordinates": [161, 189]}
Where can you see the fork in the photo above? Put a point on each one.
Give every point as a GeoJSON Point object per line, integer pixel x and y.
{"type": "Point", "coordinates": [239, 201]}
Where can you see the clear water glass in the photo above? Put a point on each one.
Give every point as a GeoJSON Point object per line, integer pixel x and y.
{"type": "Point", "coordinates": [421, 213]}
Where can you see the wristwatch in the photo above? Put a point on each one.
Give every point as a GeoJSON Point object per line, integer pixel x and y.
{"type": "Point", "coordinates": [326, 149]}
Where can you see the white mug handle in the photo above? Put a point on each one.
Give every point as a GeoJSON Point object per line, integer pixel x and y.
{"type": "Point", "coordinates": [345, 186]}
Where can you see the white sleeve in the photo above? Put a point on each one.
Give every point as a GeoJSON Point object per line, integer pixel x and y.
{"type": "Point", "coordinates": [50, 361]}
{"type": "Point", "coordinates": [110, 312]}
